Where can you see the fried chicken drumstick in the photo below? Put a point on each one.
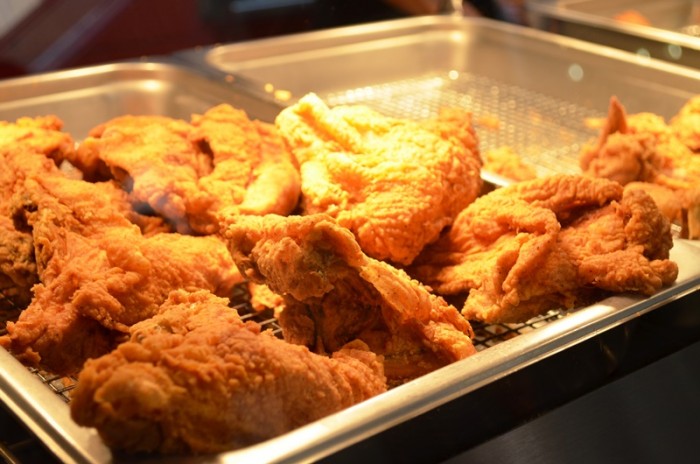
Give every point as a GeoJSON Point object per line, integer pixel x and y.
{"type": "Point", "coordinates": [196, 378]}
{"type": "Point", "coordinates": [334, 294]}
{"type": "Point", "coordinates": [394, 183]}
{"type": "Point", "coordinates": [548, 243]}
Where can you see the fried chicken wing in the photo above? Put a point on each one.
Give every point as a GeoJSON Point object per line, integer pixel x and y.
{"type": "Point", "coordinates": [394, 183]}
{"type": "Point", "coordinates": [195, 378]}
{"type": "Point", "coordinates": [187, 173]}
{"type": "Point", "coordinates": [99, 272]}
{"type": "Point", "coordinates": [549, 243]}
{"type": "Point", "coordinates": [333, 294]}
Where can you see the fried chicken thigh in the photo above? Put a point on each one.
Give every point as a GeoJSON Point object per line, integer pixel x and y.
{"type": "Point", "coordinates": [394, 183]}
{"type": "Point", "coordinates": [196, 378]}
{"type": "Point", "coordinates": [549, 243]}
{"type": "Point", "coordinates": [99, 272]}
{"type": "Point", "coordinates": [187, 173]}
{"type": "Point", "coordinates": [334, 294]}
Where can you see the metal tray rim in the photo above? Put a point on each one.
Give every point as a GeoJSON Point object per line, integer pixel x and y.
{"type": "Point", "coordinates": [199, 57]}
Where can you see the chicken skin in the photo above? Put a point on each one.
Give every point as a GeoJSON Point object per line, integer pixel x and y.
{"type": "Point", "coordinates": [99, 273]}
{"type": "Point", "coordinates": [550, 243]}
{"type": "Point", "coordinates": [187, 172]}
{"type": "Point", "coordinates": [394, 183]}
{"type": "Point", "coordinates": [195, 378]}
{"type": "Point", "coordinates": [334, 294]}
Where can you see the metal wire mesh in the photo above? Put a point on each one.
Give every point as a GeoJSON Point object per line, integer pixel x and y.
{"type": "Point", "coordinates": [545, 131]}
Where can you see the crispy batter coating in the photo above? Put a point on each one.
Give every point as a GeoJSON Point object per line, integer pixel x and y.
{"type": "Point", "coordinates": [394, 183]}
{"type": "Point", "coordinates": [543, 244]}
{"type": "Point", "coordinates": [505, 162]}
{"type": "Point", "coordinates": [40, 135]}
{"type": "Point", "coordinates": [99, 272]}
{"type": "Point", "coordinates": [195, 378]}
{"type": "Point", "coordinates": [686, 124]}
{"type": "Point", "coordinates": [188, 172]}
{"type": "Point", "coordinates": [334, 294]}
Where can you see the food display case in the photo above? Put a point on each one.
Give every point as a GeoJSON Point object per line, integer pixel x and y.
{"type": "Point", "coordinates": [668, 31]}
{"type": "Point", "coordinates": [528, 89]}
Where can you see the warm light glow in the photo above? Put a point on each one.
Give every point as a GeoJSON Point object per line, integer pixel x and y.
{"type": "Point", "coordinates": [575, 72]}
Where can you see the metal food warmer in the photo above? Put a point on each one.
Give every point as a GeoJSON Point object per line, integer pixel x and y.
{"type": "Point", "coordinates": [539, 86]}
{"type": "Point", "coordinates": [668, 30]}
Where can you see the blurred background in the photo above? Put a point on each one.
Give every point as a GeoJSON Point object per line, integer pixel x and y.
{"type": "Point", "coordinates": [45, 35]}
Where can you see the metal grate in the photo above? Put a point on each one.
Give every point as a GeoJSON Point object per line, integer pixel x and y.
{"type": "Point", "coordinates": [487, 335]}
{"type": "Point", "coordinates": [545, 131]}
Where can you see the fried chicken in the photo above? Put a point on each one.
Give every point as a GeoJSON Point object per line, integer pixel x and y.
{"type": "Point", "coordinates": [394, 183]}
{"type": "Point", "coordinates": [29, 147]}
{"type": "Point", "coordinates": [334, 294]}
{"type": "Point", "coordinates": [643, 148]}
{"type": "Point", "coordinates": [187, 173]}
{"type": "Point", "coordinates": [41, 135]}
{"type": "Point", "coordinates": [195, 378]}
{"type": "Point", "coordinates": [505, 162]}
{"type": "Point", "coordinates": [17, 269]}
{"type": "Point", "coordinates": [550, 243]}
{"type": "Point", "coordinates": [99, 272]}
{"type": "Point", "coordinates": [686, 124]}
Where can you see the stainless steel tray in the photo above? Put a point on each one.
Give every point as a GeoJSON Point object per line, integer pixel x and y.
{"type": "Point", "coordinates": [419, 57]}
{"type": "Point", "coordinates": [85, 97]}
{"type": "Point", "coordinates": [673, 32]}
{"type": "Point", "coordinates": [40, 404]}
{"type": "Point", "coordinates": [537, 87]}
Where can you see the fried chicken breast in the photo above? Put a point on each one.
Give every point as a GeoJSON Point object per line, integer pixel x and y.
{"type": "Point", "coordinates": [334, 294]}
{"type": "Point", "coordinates": [548, 243]}
{"type": "Point", "coordinates": [196, 378]}
{"type": "Point", "coordinates": [394, 183]}
{"type": "Point", "coordinates": [187, 172]}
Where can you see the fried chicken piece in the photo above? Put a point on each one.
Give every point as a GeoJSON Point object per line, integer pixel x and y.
{"type": "Point", "coordinates": [40, 135]}
{"type": "Point", "coordinates": [197, 379]}
{"type": "Point", "coordinates": [17, 269]}
{"type": "Point", "coordinates": [548, 243]}
{"type": "Point", "coordinates": [333, 294]}
{"type": "Point", "coordinates": [29, 147]}
{"type": "Point", "coordinates": [633, 17]}
{"type": "Point", "coordinates": [99, 272]}
{"type": "Point", "coordinates": [686, 124]}
{"type": "Point", "coordinates": [253, 170]}
{"type": "Point", "coordinates": [505, 162]}
{"type": "Point", "coordinates": [642, 148]}
{"type": "Point", "coordinates": [152, 157]}
{"type": "Point", "coordinates": [187, 173]}
{"type": "Point", "coordinates": [394, 183]}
